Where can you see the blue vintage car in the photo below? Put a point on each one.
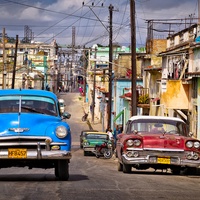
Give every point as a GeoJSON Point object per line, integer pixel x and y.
{"type": "Point", "coordinates": [33, 132]}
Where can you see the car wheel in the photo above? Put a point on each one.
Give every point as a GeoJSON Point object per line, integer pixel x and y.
{"type": "Point", "coordinates": [176, 171]}
{"type": "Point", "coordinates": [126, 168]}
{"type": "Point", "coordinates": [191, 171]}
{"type": "Point", "coordinates": [62, 170]}
{"type": "Point", "coordinates": [56, 171]}
{"type": "Point", "coordinates": [119, 167]}
{"type": "Point", "coordinates": [85, 153]}
{"type": "Point", "coordinates": [108, 153]}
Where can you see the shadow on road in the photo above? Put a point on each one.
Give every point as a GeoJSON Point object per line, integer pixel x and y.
{"type": "Point", "coordinates": [39, 177]}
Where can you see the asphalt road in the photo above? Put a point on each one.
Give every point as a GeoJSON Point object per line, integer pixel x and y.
{"type": "Point", "coordinates": [92, 178]}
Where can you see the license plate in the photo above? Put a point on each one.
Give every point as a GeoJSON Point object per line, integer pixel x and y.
{"type": "Point", "coordinates": [17, 153]}
{"type": "Point", "coordinates": [162, 160]}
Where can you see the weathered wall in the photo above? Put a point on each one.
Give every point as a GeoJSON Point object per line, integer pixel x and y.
{"type": "Point", "coordinates": [176, 95]}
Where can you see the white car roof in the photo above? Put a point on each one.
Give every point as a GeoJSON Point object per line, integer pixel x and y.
{"type": "Point", "coordinates": [155, 117]}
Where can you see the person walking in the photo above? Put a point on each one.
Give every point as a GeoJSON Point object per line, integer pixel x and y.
{"type": "Point", "coordinates": [111, 138]}
{"type": "Point", "coordinates": [117, 131]}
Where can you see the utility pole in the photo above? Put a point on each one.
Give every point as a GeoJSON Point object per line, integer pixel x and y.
{"type": "Point", "coordinates": [94, 86]}
{"type": "Point", "coordinates": [15, 62]}
{"type": "Point", "coordinates": [110, 67]}
{"type": "Point", "coordinates": [4, 60]}
{"type": "Point", "coordinates": [198, 11]}
{"type": "Point", "coordinates": [133, 59]}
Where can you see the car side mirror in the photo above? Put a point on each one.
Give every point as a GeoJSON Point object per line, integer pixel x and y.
{"type": "Point", "coordinates": [190, 134]}
{"type": "Point", "coordinates": [66, 115]}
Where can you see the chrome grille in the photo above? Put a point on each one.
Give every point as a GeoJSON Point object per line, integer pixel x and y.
{"type": "Point", "coordinates": [23, 142]}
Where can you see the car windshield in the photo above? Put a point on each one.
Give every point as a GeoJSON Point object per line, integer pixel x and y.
{"type": "Point", "coordinates": [157, 126]}
{"type": "Point", "coordinates": [96, 136]}
{"type": "Point", "coordinates": [24, 104]}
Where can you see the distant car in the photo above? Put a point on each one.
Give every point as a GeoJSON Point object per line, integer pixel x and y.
{"type": "Point", "coordinates": [94, 138]}
{"type": "Point", "coordinates": [32, 131]}
{"type": "Point", "coordinates": [168, 147]}
{"type": "Point", "coordinates": [82, 135]}
{"type": "Point", "coordinates": [62, 105]}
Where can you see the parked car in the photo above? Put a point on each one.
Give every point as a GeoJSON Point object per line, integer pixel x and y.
{"type": "Point", "coordinates": [32, 132]}
{"type": "Point", "coordinates": [92, 139]}
{"type": "Point", "coordinates": [82, 136]}
{"type": "Point", "coordinates": [62, 105]}
{"type": "Point", "coordinates": [169, 147]}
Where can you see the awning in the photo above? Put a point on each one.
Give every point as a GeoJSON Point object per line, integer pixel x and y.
{"type": "Point", "coordinates": [119, 114]}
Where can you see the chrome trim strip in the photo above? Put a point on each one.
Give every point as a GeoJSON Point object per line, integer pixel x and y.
{"type": "Point", "coordinates": [155, 149]}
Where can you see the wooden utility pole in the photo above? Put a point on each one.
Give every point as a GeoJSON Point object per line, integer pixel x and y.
{"type": "Point", "coordinates": [133, 59]}
{"type": "Point", "coordinates": [198, 11]}
{"type": "Point", "coordinates": [15, 63]}
{"type": "Point", "coordinates": [110, 67]}
{"type": "Point", "coordinates": [94, 85]}
{"type": "Point", "coordinates": [4, 60]}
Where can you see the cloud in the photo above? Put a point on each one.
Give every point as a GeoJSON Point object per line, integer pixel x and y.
{"type": "Point", "coordinates": [56, 17]}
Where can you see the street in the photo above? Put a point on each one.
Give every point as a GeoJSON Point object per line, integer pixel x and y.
{"type": "Point", "coordinates": [92, 178]}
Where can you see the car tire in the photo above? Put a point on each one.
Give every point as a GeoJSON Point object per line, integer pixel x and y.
{"type": "Point", "coordinates": [119, 167]}
{"type": "Point", "coordinates": [56, 171]}
{"type": "Point", "coordinates": [108, 154]}
{"type": "Point", "coordinates": [126, 168]}
{"type": "Point", "coordinates": [85, 153]}
{"type": "Point", "coordinates": [62, 170]}
{"type": "Point", "coordinates": [176, 171]}
{"type": "Point", "coordinates": [191, 171]}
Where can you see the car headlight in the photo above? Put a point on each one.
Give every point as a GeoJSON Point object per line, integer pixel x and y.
{"type": "Point", "coordinates": [137, 143]}
{"type": "Point", "coordinates": [86, 143]}
{"type": "Point", "coordinates": [189, 144]}
{"type": "Point", "coordinates": [129, 143]}
{"type": "Point", "coordinates": [61, 132]}
{"type": "Point", "coordinates": [196, 144]}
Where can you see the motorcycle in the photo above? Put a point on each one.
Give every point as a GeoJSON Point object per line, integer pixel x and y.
{"type": "Point", "coordinates": [104, 150]}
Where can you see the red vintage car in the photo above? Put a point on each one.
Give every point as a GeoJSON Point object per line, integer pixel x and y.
{"type": "Point", "coordinates": [157, 142]}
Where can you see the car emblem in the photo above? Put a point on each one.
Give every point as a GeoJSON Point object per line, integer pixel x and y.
{"type": "Point", "coordinates": [19, 130]}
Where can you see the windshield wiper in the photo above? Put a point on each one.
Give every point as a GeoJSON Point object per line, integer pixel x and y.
{"type": "Point", "coordinates": [32, 109]}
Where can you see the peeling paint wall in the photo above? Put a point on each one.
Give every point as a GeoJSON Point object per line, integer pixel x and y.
{"type": "Point", "coordinates": [176, 95]}
{"type": "Point", "coordinates": [198, 110]}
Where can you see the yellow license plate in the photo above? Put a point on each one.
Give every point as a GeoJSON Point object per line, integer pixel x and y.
{"type": "Point", "coordinates": [162, 160]}
{"type": "Point", "coordinates": [17, 153]}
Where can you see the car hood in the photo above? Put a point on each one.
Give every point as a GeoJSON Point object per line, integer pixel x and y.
{"type": "Point", "coordinates": [163, 141]}
{"type": "Point", "coordinates": [27, 124]}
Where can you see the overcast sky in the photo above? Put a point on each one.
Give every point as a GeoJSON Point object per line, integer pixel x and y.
{"type": "Point", "coordinates": [54, 19]}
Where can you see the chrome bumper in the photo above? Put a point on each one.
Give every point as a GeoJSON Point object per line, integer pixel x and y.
{"type": "Point", "coordinates": [39, 154]}
{"type": "Point", "coordinates": [43, 154]}
{"type": "Point", "coordinates": [152, 160]}
{"type": "Point", "coordinates": [88, 149]}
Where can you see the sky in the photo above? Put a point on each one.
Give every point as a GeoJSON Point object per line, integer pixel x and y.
{"type": "Point", "coordinates": [53, 19]}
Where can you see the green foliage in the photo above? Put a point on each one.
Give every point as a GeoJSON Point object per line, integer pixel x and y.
{"type": "Point", "coordinates": [143, 99]}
